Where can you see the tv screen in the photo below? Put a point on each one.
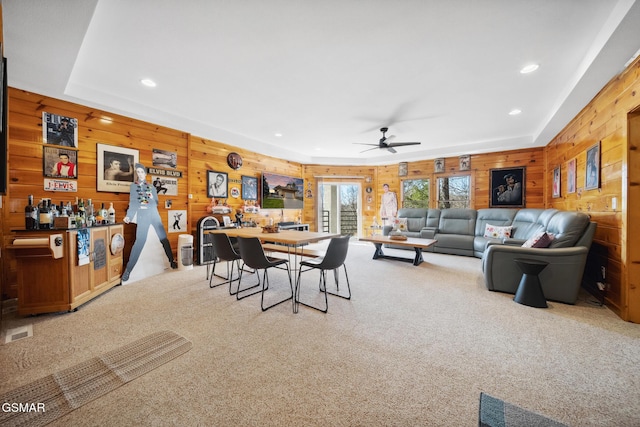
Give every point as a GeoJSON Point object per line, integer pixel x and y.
{"type": "Point", "coordinates": [281, 192]}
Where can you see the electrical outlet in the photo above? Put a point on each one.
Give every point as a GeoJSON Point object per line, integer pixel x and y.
{"type": "Point", "coordinates": [603, 270]}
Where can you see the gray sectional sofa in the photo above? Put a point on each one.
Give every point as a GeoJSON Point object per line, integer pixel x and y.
{"type": "Point", "coordinates": [462, 232]}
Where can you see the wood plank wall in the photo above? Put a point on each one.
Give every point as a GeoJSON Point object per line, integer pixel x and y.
{"type": "Point", "coordinates": [207, 155]}
{"type": "Point", "coordinates": [94, 127]}
{"type": "Point", "coordinates": [604, 120]}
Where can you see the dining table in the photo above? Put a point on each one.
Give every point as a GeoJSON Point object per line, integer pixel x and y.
{"type": "Point", "coordinates": [294, 242]}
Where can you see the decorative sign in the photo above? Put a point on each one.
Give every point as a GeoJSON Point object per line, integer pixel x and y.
{"type": "Point", "coordinates": [165, 186]}
{"type": "Point", "coordinates": [60, 185]}
{"type": "Point", "coordinates": [178, 221]}
{"type": "Point", "coordinates": [99, 254]}
{"type": "Point", "coordinates": [234, 161]}
{"type": "Point", "coordinates": [164, 172]}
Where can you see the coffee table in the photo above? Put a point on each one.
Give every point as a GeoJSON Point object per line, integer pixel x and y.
{"type": "Point", "coordinates": [417, 244]}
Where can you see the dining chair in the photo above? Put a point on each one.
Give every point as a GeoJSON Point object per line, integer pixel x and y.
{"type": "Point", "coordinates": [333, 259]}
{"type": "Point", "coordinates": [225, 251]}
{"type": "Point", "coordinates": [253, 256]}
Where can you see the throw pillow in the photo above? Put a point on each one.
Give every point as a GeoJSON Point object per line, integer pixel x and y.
{"type": "Point", "coordinates": [540, 240]}
{"type": "Point", "coordinates": [497, 232]}
{"type": "Point", "coordinates": [401, 224]}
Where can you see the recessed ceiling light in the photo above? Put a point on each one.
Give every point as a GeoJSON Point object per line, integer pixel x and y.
{"type": "Point", "coordinates": [278, 135]}
{"type": "Point", "coordinates": [529, 68]}
{"type": "Point", "coordinates": [515, 112]}
{"type": "Point", "coordinates": [148, 82]}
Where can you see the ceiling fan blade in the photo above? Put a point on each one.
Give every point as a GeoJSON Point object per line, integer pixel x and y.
{"type": "Point", "coordinates": [369, 149]}
{"type": "Point", "coordinates": [390, 148]}
{"type": "Point", "coordinates": [362, 143]}
{"type": "Point", "coordinates": [402, 144]}
{"type": "Point", "coordinates": [390, 137]}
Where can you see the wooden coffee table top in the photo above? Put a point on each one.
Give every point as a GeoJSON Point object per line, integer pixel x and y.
{"type": "Point", "coordinates": [412, 242]}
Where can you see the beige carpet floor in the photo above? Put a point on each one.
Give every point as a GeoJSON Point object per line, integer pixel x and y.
{"type": "Point", "coordinates": [415, 346]}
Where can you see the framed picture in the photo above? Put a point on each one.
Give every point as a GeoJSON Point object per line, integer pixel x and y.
{"type": "Point", "coordinates": [592, 175]}
{"type": "Point", "coordinates": [571, 176]}
{"type": "Point", "coordinates": [116, 168]}
{"type": "Point", "coordinates": [465, 162]}
{"type": "Point", "coordinates": [59, 162]}
{"type": "Point", "coordinates": [438, 165]}
{"type": "Point", "coordinates": [249, 188]}
{"type": "Point", "coordinates": [403, 169]}
{"type": "Point", "coordinates": [59, 130]}
{"type": "Point", "coordinates": [556, 183]}
{"type": "Point", "coordinates": [507, 187]}
{"type": "Point", "coordinates": [164, 158]}
{"type": "Point", "coordinates": [217, 184]}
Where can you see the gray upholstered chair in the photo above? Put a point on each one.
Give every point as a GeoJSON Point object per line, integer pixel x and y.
{"type": "Point", "coordinates": [333, 259]}
{"type": "Point", "coordinates": [253, 256]}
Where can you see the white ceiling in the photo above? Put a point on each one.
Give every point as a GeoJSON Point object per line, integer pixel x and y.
{"type": "Point", "coordinates": [328, 74]}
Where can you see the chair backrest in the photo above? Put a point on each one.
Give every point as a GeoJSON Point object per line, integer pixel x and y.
{"type": "Point", "coordinates": [223, 248]}
{"type": "Point", "coordinates": [336, 253]}
{"type": "Point", "coordinates": [252, 253]}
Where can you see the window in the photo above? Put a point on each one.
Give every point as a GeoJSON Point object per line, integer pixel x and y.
{"type": "Point", "coordinates": [415, 193]}
{"type": "Point", "coordinates": [453, 192]}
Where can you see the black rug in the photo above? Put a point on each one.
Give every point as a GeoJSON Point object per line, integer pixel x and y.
{"type": "Point", "coordinates": [498, 413]}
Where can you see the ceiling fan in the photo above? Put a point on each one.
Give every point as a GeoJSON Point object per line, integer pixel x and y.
{"type": "Point", "coordinates": [384, 143]}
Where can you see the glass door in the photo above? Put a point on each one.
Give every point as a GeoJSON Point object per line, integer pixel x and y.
{"type": "Point", "coordinates": [339, 207]}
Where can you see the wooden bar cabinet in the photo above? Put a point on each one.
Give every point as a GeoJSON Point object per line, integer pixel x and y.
{"type": "Point", "coordinates": [50, 277]}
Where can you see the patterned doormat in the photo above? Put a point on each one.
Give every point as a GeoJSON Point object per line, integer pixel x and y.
{"type": "Point", "coordinates": [51, 397]}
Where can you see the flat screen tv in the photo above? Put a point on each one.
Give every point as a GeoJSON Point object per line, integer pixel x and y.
{"type": "Point", "coordinates": [281, 192]}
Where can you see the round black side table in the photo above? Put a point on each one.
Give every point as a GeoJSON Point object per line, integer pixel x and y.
{"type": "Point", "coordinates": [530, 290]}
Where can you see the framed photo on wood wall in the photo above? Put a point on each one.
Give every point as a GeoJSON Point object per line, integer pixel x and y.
{"type": "Point", "coordinates": [571, 176]}
{"type": "Point", "coordinates": [556, 183]}
{"type": "Point", "coordinates": [507, 187]}
{"type": "Point", "coordinates": [217, 183]}
{"type": "Point", "coordinates": [592, 172]}
{"type": "Point", "coordinates": [116, 168]}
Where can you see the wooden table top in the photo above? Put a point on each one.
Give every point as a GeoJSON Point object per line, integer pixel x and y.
{"type": "Point", "coordinates": [288, 237]}
{"type": "Point", "coordinates": [413, 242]}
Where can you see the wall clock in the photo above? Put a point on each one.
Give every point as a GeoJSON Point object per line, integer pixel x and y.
{"type": "Point", "coordinates": [234, 161]}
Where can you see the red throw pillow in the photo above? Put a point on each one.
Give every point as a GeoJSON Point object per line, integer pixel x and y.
{"type": "Point", "coordinates": [540, 240]}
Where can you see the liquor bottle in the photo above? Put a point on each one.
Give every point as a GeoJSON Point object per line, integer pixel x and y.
{"type": "Point", "coordinates": [80, 218]}
{"type": "Point", "coordinates": [111, 214]}
{"type": "Point", "coordinates": [44, 215]}
{"type": "Point", "coordinates": [103, 215]}
{"type": "Point", "coordinates": [90, 216]}
{"type": "Point", "coordinates": [31, 221]}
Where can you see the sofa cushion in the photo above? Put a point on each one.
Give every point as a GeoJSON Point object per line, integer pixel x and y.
{"type": "Point", "coordinates": [539, 240]}
{"type": "Point", "coordinates": [567, 227]}
{"type": "Point", "coordinates": [457, 221]}
{"type": "Point", "coordinates": [494, 216]}
{"type": "Point", "coordinates": [497, 232]}
{"type": "Point", "coordinates": [416, 218]}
